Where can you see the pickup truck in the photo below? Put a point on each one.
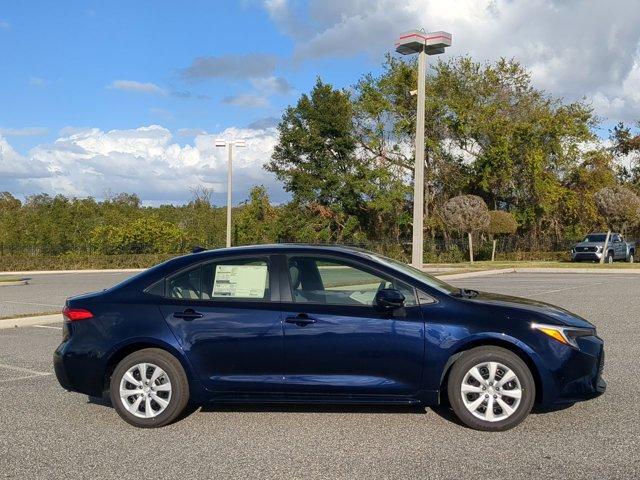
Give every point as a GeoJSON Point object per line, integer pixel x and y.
{"type": "Point", "coordinates": [592, 248]}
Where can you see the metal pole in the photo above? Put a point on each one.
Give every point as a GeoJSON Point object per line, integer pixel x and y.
{"type": "Point", "coordinates": [229, 176]}
{"type": "Point", "coordinates": [418, 177]}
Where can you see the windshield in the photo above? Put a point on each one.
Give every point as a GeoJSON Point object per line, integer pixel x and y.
{"type": "Point", "coordinates": [415, 273]}
{"type": "Point", "coordinates": [595, 237]}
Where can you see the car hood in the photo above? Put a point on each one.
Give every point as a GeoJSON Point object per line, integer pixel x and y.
{"type": "Point", "coordinates": [541, 311]}
{"type": "Point", "coordinates": [589, 244]}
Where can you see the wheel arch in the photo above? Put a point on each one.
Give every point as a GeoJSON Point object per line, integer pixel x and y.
{"type": "Point", "coordinates": [494, 342]}
{"type": "Point", "coordinates": [134, 345]}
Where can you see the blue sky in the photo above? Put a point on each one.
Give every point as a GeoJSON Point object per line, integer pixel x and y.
{"type": "Point", "coordinates": [63, 56]}
{"type": "Point", "coordinates": [109, 96]}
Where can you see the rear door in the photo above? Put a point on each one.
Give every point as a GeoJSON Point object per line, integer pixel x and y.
{"type": "Point", "coordinates": [336, 342]}
{"type": "Point", "coordinates": [619, 247]}
{"type": "Point", "coordinates": [225, 314]}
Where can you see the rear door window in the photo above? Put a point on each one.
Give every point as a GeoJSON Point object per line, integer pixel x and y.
{"type": "Point", "coordinates": [239, 279]}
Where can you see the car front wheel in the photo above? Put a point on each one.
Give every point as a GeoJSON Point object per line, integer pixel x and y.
{"type": "Point", "coordinates": [149, 388]}
{"type": "Point", "coordinates": [491, 388]}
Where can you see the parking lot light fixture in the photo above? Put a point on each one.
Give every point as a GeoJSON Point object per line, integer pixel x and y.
{"type": "Point", "coordinates": [230, 144]}
{"type": "Point", "coordinates": [422, 43]}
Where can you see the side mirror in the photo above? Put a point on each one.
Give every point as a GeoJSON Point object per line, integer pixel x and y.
{"type": "Point", "coordinates": [388, 300]}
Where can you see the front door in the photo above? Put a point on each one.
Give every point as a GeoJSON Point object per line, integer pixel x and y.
{"type": "Point", "coordinates": [226, 316]}
{"type": "Point", "coordinates": [337, 343]}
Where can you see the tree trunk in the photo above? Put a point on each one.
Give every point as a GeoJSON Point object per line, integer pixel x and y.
{"type": "Point", "coordinates": [493, 251]}
{"type": "Point", "coordinates": [606, 245]}
{"type": "Point", "coordinates": [470, 247]}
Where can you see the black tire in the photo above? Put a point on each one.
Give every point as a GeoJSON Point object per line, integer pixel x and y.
{"type": "Point", "coordinates": [609, 257]}
{"type": "Point", "coordinates": [179, 387]}
{"type": "Point", "coordinates": [631, 258]}
{"type": "Point", "coordinates": [476, 356]}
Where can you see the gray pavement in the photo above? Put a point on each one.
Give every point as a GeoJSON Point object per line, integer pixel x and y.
{"type": "Point", "coordinates": [46, 293]}
{"type": "Point", "coordinates": [48, 433]}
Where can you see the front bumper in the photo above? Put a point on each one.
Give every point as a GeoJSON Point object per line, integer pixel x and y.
{"type": "Point", "coordinates": [591, 256]}
{"type": "Point", "coordinates": [581, 377]}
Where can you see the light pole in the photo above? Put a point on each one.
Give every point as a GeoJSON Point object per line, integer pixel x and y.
{"type": "Point", "coordinates": [409, 43]}
{"type": "Point", "coordinates": [224, 143]}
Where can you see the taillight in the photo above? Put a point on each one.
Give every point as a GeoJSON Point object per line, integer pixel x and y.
{"type": "Point", "coordinates": [75, 314]}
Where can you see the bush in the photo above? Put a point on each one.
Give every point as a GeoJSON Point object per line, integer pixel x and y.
{"type": "Point", "coordinates": [139, 236]}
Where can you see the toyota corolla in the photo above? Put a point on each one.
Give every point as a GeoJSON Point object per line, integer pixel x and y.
{"type": "Point", "coordinates": [295, 323]}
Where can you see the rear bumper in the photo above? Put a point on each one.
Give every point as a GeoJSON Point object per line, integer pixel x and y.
{"type": "Point", "coordinates": [77, 372]}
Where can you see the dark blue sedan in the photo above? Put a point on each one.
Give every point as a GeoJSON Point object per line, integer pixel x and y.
{"type": "Point", "coordinates": [295, 323]}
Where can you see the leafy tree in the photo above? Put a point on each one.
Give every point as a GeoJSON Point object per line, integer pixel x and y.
{"type": "Point", "coordinates": [500, 223]}
{"type": "Point", "coordinates": [626, 143]}
{"type": "Point", "coordinates": [317, 160]}
{"type": "Point", "coordinates": [256, 219]}
{"type": "Point", "coordinates": [468, 214]}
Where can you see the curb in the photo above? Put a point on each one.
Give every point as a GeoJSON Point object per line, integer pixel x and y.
{"type": "Point", "coordinates": [480, 273]}
{"type": "Point", "coordinates": [29, 321]}
{"type": "Point", "coordinates": [599, 271]}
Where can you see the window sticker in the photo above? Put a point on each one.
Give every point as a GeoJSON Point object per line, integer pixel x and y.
{"type": "Point", "coordinates": [240, 281]}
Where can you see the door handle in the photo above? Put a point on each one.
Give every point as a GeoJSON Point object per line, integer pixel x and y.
{"type": "Point", "coordinates": [301, 320]}
{"type": "Point", "coordinates": [188, 314]}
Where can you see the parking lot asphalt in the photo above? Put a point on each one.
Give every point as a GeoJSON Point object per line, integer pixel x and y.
{"type": "Point", "coordinates": [46, 293]}
{"type": "Point", "coordinates": [46, 432]}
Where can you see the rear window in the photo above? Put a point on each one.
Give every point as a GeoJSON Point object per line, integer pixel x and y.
{"type": "Point", "coordinates": [595, 238]}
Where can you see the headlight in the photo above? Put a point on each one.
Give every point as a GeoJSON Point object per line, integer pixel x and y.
{"type": "Point", "coordinates": [600, 248]}
{"type": "Point", "coordinates": [566, 335]}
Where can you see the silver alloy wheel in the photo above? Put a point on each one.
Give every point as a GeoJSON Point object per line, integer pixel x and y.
{"type": "Point", "coordinates": [491, 391]}
{"type": "Point", "coordinates": [145, 390]}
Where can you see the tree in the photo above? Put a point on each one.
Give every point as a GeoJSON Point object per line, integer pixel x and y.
{"type": "Point", "coordinates": [620, 208]}
{"type": "Point", "coordinates": [466, 213]}
{"type": "Point", "coordinates": [316, 158]}
{"type": "Point", "coordinates": [500, 223]}
{"type": "Point", "coordinates": [256, 220]}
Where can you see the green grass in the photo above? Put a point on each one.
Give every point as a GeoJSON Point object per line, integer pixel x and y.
{"type": "Point", "coordinates": [6, 279]}
{"type": "Point", "coordinates": [488, 265]}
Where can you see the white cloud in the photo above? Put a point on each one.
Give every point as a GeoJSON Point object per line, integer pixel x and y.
{"type": "Point", "coordinates": [4, 25]}
{"type": "Point", "coordinates": [573, 49]}
{"type": "Point", "coordinates": [133, 86]}
{"type": "Point", "coordinates": [272, 85]}
{"type": "Point", "coordinates": [24, 132]}
{"type": "Point", "coordinates": [144, 161]}
{"type": "Point", "coordinates": [230, 66]}
{"type": "Point", "coordinates": [247, 100]}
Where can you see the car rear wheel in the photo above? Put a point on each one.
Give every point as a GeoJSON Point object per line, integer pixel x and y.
{"type": "Point", "coordinates": [491, 389]}
{"type": "Point", "coordinates": [149, 388]}
{"type": "Point", "coordinates": [630, 259]}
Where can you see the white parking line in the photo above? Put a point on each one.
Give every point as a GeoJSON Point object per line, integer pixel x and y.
{"type": "Point", "coordinates": [32, 303]}
{"type": "Point", "coordinates": [47, 326]}
{"type": "Point", "coordinates": [565, 289]}
{"type": "Point", "coordinates": [24, 378]}
{"type": "Point", "coordinates": [24, 370]}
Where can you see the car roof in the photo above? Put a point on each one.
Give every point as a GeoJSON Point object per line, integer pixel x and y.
{"type": "Point", "coordinates": [172, 264]}
{"type": "Point", "coordinates": [275, 247]}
